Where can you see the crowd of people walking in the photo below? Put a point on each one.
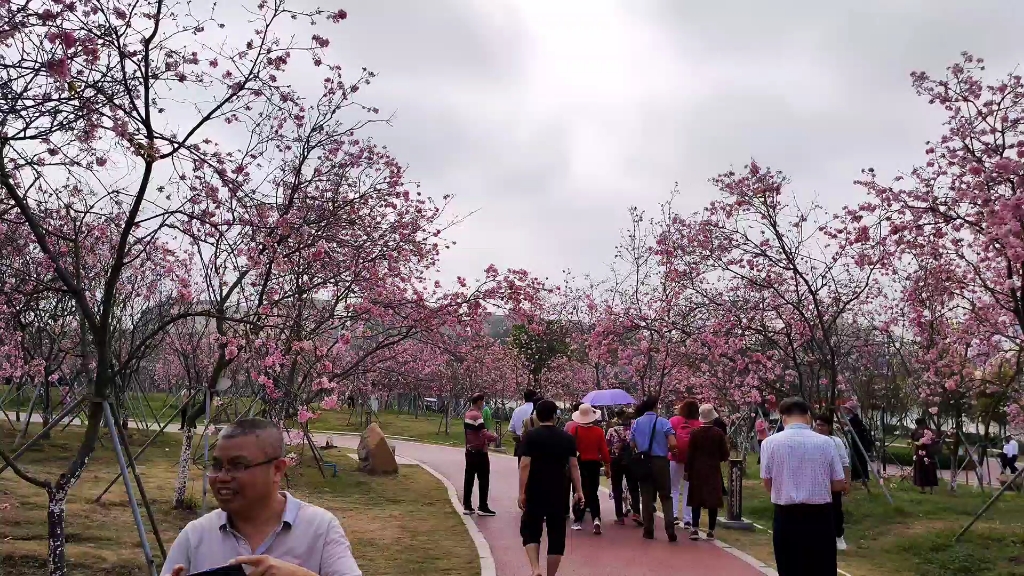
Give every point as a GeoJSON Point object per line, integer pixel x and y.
{"type": "Point", "coordinates": [673, 462]}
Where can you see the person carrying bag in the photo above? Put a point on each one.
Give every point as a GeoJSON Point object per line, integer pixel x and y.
{"type": "Point", "coordinates": [640, 462]}
{"type": "Point", "coordinates": [651, 467]}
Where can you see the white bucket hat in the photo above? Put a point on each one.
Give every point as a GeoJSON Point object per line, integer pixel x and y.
{"type": "Point", "coordinates": [707, 413]}
{"type": "Point", "coordinates": [586, 414]}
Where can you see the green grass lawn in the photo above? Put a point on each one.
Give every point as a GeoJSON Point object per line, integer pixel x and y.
{"type": "Point", "coordinates": [912, 536]}
{"type": "Point", "coordinates": [424, 428]}
{"type": "Point", "coordinates": [152, 409]}
{"type": "Point", "coordinates": [398, 525]}
{"type": "Point", "coordinates": [427, 427]}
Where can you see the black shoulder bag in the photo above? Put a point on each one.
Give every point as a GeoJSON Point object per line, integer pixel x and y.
{"type": "Point", "coordinates": [640, 463]}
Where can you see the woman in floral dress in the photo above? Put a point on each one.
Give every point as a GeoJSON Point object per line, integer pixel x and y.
{"type": "Point", "coordinates": [618, 438]}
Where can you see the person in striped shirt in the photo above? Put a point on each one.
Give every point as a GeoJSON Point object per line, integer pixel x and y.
{"type": "Point", "coordinates": [478, 463]}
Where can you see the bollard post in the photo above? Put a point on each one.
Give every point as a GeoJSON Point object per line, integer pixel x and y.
{"type": "Point", "coordinates": [734, 505]}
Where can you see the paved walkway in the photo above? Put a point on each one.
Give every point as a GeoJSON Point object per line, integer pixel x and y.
{"type": "Point", "coordinates": [619, 551]}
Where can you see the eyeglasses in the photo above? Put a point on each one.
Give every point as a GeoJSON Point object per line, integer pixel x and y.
{"type": "Point", "coordinates": [236, 469]}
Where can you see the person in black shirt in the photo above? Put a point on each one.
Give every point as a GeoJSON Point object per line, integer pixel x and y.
{"type": "Point", "coordinates": [548, 463]}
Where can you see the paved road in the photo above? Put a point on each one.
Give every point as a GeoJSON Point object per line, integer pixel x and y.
{"type": "Point", "coordinates": [619, 551]}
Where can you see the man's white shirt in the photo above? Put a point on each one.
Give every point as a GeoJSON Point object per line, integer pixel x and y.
{"type": "Point", "coordinates": [1010, 448]}
{"type": "Point", "coordinates": [519, 416]}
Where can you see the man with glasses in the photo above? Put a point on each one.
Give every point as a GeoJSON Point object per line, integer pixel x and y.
{"type": "Point", "coordinates": [258, 525]}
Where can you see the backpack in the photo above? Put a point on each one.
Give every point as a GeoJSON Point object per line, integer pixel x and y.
{"type": "Point", "coordinates": [625, 453]}
{"type": "Point", "coordinates": [531, 422]}
{"type": "Point", "coordinates": [683, 440]}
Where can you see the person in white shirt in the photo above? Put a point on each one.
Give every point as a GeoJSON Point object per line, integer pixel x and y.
{"type": "Point", "coordinates": [801, 469]}
{"type": "Point", "coordinates": [825, 425]}
{"type": "Point", "coordinates": [519, 417]}
{"type": "Point", "coordinates": [1008, 459]}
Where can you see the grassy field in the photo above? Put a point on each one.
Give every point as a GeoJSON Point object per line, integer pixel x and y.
{"type": "Point", "coordinates": [913, 536]}
{"type": "Point", "coordinates": [147, 410]}
{"type": "Point", "coordinates": [399, 525]}
{"type": "Point", "coordinates": [424, 428]}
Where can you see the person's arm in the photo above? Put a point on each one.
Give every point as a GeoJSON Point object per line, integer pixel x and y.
{"type": "Point", "coordinates": [670, 435]}
{"type": "Point", "coordinates": [690, 462]}
{"type": "Point", "coordinates": [524, 475]}
{"type": "Point", "coordinates": [766, 463]}
{"type": "Point", "coordinates": [723, 449]}
{"type": "Point", "coordinates": [838, 475]}
{"type": "Point", "coordinates": [632, 436]}
{"type": "Point", "coordinates": [574, 473]}
{"type": "Point", "coordinates": [844, 459]}
{"type": "Point", "coordinates": [605, 454]}
{"type": "Point", "coordinates": [178, 556]}
{"type": "Point", "coordinates": [337, 558]}
{"type": "Point", "coordinates": [516, 422]}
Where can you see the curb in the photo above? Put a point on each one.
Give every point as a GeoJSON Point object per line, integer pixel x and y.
{"type": "Point", "coordinates": [483, 549]}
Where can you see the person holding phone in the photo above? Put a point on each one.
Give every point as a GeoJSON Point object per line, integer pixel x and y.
{"type": "Point", "coordinates": [258, 525]}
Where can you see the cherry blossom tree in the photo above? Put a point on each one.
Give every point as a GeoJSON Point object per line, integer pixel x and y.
{"type": "Point", "coordinates": [807, 268]}
{"type": "Point", "coordinates": [954, 230]}
{"type": "Point", "coordinates": [106, 106]}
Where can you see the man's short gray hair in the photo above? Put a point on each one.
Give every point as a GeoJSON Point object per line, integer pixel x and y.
{"type": "Point", "coordinates": [268, 432]}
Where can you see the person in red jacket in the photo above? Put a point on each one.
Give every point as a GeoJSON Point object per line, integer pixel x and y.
{"type": "Point", "coordinates": [593, 452]}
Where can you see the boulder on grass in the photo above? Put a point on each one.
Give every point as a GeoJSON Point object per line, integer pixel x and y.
{"type": "Point", "coordinates": [1018, 484]}
{"type": "Point", "coordinates": [375, 455]}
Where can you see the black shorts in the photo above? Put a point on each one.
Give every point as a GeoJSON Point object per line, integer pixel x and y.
{"type": "Point", "coordinates": [531, 527]}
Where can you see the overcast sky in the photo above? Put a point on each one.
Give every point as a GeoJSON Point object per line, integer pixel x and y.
{"type": "Point", "coordinates": [549, 118]}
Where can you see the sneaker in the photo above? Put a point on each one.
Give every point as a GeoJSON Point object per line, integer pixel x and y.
{"type": "Point", "coordinates": [672, 537]}
{"type": "Point", "coordinates": [577, 526]}
{"type": "Point", "coordinates": [597, 527]}
{"type": "Point", "coordinates": [709, 535]}
{"type": "Point", "coordinates": [840, 543]}
{"type": "Point", "coordinates": [694, 535]}
{"type": "Point", "coordinates": [648, 536]}
{"type": "Point", "coordinates": [468, 510]}
{"type": "Point", "coordinates": [687, 525]}
{"type": "Point", "coordinates": [620, 521]}
{"type": "Point", "coordinates": [485, 511]}
{"type": "Point", "coordinates": [637, 520]}
{"type": "Point", "coordinates": [678, 523]}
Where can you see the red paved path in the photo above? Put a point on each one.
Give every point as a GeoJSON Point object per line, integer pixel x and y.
{"type": "Point", "coordinates": [620, 551]}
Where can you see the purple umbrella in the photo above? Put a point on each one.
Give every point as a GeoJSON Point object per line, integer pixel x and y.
{"type": "Point", "coordinates": [613, 397]}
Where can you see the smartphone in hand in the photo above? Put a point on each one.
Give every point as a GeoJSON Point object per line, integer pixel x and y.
{"type": "Point", "coordinates": [229, 570]}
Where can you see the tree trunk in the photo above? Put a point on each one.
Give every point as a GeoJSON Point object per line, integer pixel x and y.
{"type": "Point", "coordinates": [184, 463]}
{"type": "Point", "coordinates": [55, 516]}
{"type": "Point", "coordinates": [47, 408]}
{"type": "Point", "coordinates": [956, 461]}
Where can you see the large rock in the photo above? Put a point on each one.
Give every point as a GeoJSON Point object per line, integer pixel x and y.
{"type": "Point", "coordinates": [1018, 484]}
{"type": "Point", "coordinates": [375, 456]}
